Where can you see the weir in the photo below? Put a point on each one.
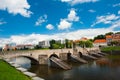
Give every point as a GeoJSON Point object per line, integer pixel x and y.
{"type": "Point", "coordinates": [55, 62]}
{"type": "Point", "coordinates": [78, 59]}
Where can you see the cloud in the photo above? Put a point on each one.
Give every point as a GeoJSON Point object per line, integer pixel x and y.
{"type": "Point", "coordinates": [50, 26]}
{"type": "Point", "coordinates": [106, 19]}
{"type": "Point", "coordinates": [72, 16]}
{"type": "Point", "coordinates": [2, 22]}
{"type": "Point", "coordinates": [118, 12]}
{"type": "Point", "coordinates": [91, 10]}
{"type": "Point", "coordinates": [116, 24]}
{"type": "Point", "coordinates": [116, 5]}
{"type": "Point", "coordinates": [16, 7]}
{"type": "Point", "coordinates": [64, 24]}
{"type": "Point", "coordinates": [41, 20]}
{"type": "Point", "coordinates": [74, 2]}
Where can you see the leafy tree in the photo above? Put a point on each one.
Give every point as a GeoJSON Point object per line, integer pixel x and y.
{"type": "Point", "coordinates": [109, 33]}
{"type": "Point", "coordinates": [114, 43]}
{"type": "Point", "coordinates": [99, 37]}
{"type": "Point", "coordinates": [68, 43]}
{"type": "Point", "coordinates": [82, 43]}
{"type": "Point", "coordinates": [51, 44]}
{"type": "Point", "coordinates": [37, 47]}
{"type": "Point", "coordinates": [86, 44]}
{"type": "Point", "coordinates": [117, 33]}
{"type": "Point", "coordinates": [55, 46]}
{"type": "Point", "coordinates": [91, 40]}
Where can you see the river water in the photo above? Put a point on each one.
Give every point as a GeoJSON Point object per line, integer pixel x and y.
{"type": "Point", "coordinates": [107, 68]}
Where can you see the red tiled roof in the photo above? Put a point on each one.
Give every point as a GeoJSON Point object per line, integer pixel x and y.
{"type": "Point", "coordinates": [108, 36]}
{"type": "Point", "coordinates": [83, 38]}
{"type": "Point", "coordinates": [100, 41]}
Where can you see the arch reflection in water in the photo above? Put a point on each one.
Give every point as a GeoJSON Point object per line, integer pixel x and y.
{"type": "Point", "coordinates": [23, 61]}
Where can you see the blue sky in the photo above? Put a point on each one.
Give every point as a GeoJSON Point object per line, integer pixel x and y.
{"type": "Point", "coordinates": [30, 21]}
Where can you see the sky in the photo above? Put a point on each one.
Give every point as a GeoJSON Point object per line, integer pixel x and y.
{"type": "Point", "coordinates": [31, 21]}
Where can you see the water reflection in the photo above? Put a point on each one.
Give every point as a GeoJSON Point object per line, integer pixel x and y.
{"type": "Point", "coordinates": [24, 62]}
{"type": "Point", "coordinates": [106, 68]}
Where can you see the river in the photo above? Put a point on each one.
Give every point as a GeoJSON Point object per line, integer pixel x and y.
{"type": "Point", "coordinates": [106, 68]}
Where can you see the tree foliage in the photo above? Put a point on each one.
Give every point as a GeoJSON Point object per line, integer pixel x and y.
{"type": "Point", "coordinates": [56, 44]}
{"type": "Point", "coordinates": [99, 37]}
{"type": "Point", "coordinates": [109, 33]}
{"type": "Point", "coordinates": [68, 43]}
{"type": "Point", "coordinates": [86, 44]}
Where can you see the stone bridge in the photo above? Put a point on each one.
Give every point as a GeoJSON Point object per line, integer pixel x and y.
{"type": "Point", "coordinates": [38, 56]}
{"type": "Point", "coordinates": [42, 56]}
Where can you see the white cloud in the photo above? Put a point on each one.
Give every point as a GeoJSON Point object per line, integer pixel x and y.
{"type": "Point", "coordinates": [16, 7]}
{"type": "Point", "coordinates": [74, 2]}
{"type": "Point", "coordinates": [118, 12]}
{"type": "Point", "coordinates": [50, 26]}
{"type": "Point", "coordinates": [2, 22]}
{"type": "Point", "coordinates": [116, 5]}
{"type": "Point", "coordinates": [41, 20]}
{"type": "Point", "coordinates": [64, 24]}
{"type": "Point", "coordinates": [73, 35]}
{"type": "Point", "coordinates": [91, 10]}
{"type": "Point", "coordinates": [107, 19]}
{"type": "Point", "coordinates": [72, 16]}
{"type": "Point", "coordinates": [116, 24]}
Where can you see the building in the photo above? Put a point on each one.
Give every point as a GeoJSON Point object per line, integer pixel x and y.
{"type": "Point", "coordinates": [44, 44]}
{"type": "Point", "coordinates": [10, 46]}
{"type": "Point", "coordinates": [116, 37]}
{"type": "Point", "coordinates": [82, 39]}
{"type": "Point", "coordinates": [109, 39]}
{"type": "Point", "coordinates": [27, 46]}
{"type": "Point", "coordinates": [100, 42]}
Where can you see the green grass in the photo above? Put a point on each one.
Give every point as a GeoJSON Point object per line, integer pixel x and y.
{"type": "Point", "coordinates": [110, 48]}
{"type": "Point", "coordinates": [10, 73]}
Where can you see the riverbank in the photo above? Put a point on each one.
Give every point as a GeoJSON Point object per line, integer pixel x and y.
{"type": "Point", "coordinates": [111, 50]}
{"type": "Point", "coordinates": [10, 73]}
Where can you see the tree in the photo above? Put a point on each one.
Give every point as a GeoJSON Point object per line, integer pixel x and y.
{"type": "Point", "coordinates": [117, 33]}
{"type": "Point", "coordinates": [37, 47]}
{"type": "Point", "coordinates": [56, 44]}
{"type": "Point", "coordinates": [91, 40]}
{"type": "Point", "coordinates": [82, 43]}
{"type": "Point", "coordinates": [114, 43]}
{"type": "Point", "coordinates": [68, 43]}
{"type": "Point", "coordinates": [85, 44]}
{"type": "Point", "coordinates": [51, 44]}
{"type": "Point", "coordinates": [109, 33]}
{"type": "Point", "coordinates": [99, 37]}
{"type": "Point", "coordinates": [88, 44]}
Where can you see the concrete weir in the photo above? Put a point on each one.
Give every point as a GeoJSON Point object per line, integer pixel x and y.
{"type": "Point", "coordinates": [89, 57]}
{"type": "Point", "coordinates": [55, 62]}
{"type": "Point", "coordinates": [96, 55]}
{"type": "Point", "coordinates": [78, 59]}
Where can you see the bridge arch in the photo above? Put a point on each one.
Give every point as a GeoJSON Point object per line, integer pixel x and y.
{"type": "Point", "coordinates": [54, 55]}
{"type": "Point", "coordinates": [33, 60]}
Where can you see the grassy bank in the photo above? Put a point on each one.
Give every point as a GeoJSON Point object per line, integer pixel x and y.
{"type": "Point", "coordinates": [9, 73]}
{"type": "Point", "coordinates": [110, 48]}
